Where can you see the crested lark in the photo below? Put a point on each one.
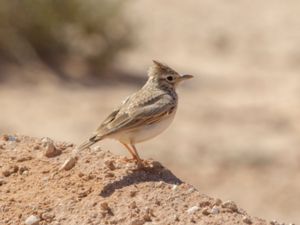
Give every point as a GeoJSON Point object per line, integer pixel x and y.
{"type": "Point", "coordinates": [144, 114]}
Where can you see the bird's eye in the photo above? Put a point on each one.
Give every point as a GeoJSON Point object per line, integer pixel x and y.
{"type": "Point", "coordinates": [169, 78]}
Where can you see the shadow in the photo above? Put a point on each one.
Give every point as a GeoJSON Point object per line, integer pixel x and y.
{"type": "Point", "coordinates": [151, 174]}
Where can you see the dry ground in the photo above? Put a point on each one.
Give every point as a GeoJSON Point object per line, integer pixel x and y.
{"type": "Point", "coordinates": [101, 189]}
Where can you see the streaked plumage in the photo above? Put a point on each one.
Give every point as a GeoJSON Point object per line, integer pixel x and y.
{"type": "Point", "coordinates": [144, 114]}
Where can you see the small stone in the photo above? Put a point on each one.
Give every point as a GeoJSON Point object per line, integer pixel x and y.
{"type": "Point", "coordinates": [193, 209]}
{"type": "Point", "coordinates": [218, 202]}
{"type": "Point", "coordinates": [12, 169]}
{"type": "Point", "coordinates": [6, 173]}
{"type": "Point", "coordinates": [147, 218]}
{"type": "Point", "coordinates": [204, 203]}
{"type": "Point", "coordinates": [5, 137]}
{"type": "Point", "coordinates": [25, 158]}
{"type": "Point", "coordinates": [25, 173]}
{"type": "Point", "coordinates": [96, 149]}
{"type": "Point", "coordinates": [69, 163]}
{"type": "Point", "coordinates": [174, 187]}
{"type": "Point", "coordinates": [32, 220]}
{"type": "Point", "coordinates": [191, 190]}
{"type": "Point", "coordinates": [2, 182]}
{"type": "Point", "coordinates": [104, 206]}
{"type": "Point", "coordinates": [109, 174]}
{"type": "Point", "coordinates": [247, 220]}
{"type": "Point", "coordinates": [23, 169]}
{"type": "Point", "coordinates": [149, 212]}
{"type": "Point", "coordinates": [206, 211]}
{"type": "Point", "coordinates": [36, 147]}
{"type": "Point", "coordinates": [48, 217]}
{"type": "Point", "coordinates": [51, 150]}
{"type": "Point", "coordinates": [159, 184]}
{"type": "Point", "coordinates": [80, 174]}
{"type": "Point", "coordinates": [110, 164]}
{"type": "Point", "coordinates": [230, 205]}
{"type": "Point", "coordinates": [12, 138]}
{"type": "Point", "coordinates": [133, 205]}
{"type": "Point", "coordinates": [132, 193]}
{"type": "Point", "coordinates": [215, 210]}
{"type": "Point", "coordinates": [83, 194]}
{"type": "Point", "coordinates": [192, 220]}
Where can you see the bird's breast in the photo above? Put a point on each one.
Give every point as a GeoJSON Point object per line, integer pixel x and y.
{"type": "Point", "coordinates": [146, 132]}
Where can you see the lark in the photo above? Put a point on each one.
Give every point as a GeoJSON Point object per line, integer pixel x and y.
{"type": "Point", "coordinates": [144, 114]}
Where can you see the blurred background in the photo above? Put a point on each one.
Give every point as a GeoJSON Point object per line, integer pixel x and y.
{"type": "Point", "coordinates": [64, 65]}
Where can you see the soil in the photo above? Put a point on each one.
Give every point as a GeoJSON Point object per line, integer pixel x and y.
{"type": "Point", "coordinates": [102, 188]}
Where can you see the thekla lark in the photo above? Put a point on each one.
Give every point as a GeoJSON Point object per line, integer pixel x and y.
{"type": "Point", "coordinates": [144, 114]}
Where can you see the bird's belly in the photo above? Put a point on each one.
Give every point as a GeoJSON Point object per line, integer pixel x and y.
{"type": "Point", "coordinates": [146, 132]}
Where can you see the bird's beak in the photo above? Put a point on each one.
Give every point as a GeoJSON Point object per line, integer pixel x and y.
{"type": "Point", "coordinates": [185, 77]}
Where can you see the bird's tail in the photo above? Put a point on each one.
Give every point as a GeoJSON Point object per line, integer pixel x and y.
{"type": "Point", "coordinates": [88, 143]}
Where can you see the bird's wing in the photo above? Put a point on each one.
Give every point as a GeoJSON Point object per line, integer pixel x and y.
{"type": "Point", "coordinates": [152, 111]}
{"type": "Point", "coordinates": [111, 117]}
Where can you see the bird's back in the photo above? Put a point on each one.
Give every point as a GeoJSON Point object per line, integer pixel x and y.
{"type": "Point", "coordinates": [150, 101]}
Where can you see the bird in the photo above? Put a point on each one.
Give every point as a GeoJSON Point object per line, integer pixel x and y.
{"type": "Point", "coordinates": [143, 115]}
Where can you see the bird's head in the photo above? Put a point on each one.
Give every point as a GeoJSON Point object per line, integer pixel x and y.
{"type": "Point", "coordinates": [165, 75]}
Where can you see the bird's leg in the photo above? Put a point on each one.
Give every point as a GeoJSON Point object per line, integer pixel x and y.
{"type": "Point", "coordinates": [130, 151]}
{"type": "Point", "coordinates": [138, 159]}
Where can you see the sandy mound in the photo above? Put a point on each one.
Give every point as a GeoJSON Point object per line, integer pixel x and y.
{"type": "Point", "coordinates": [101, 189]}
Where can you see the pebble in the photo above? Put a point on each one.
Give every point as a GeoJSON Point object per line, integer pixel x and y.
{"type": "Point", "coordinates": [104, 206]}
{"type": "Point", "coordinates": [176, 218]}
{"type": "Point", "coordinates": [230, 205]}
{"type": "Point", "coordinates": [191, 190]}
{"type": "Point", "coordinates": [206, 211]}
{"type": "Point", "coordinates": [174, 187]}
{"type": "Point", "coordinates": [32, 220]}
{"type": "Point", "coordinates": [110, 164]}
{"type": "Point", "coordinates": [133, 193]}
{"type": "Point", "coordinates": [132, 205]}
{"type": "Point", "coordinates": [48, 216]}
{"type": "Point", "coordinates": [97, 149]}
{"type": "Point", "coordinates": [147, 217]}
{"type": "Point", "coordinates": [247, 220]}
{"type": "Point", "coordinates": [12, 138]}
{"type": "Point", "coordinates": [159, 184]}
{"type": "Point", "coordinates": [215, 210]}
{"type": "Point", "coordinates": [51, 150]}
{"type": "Point", "coordinates": [2, 182]}
{"type": "Point", "coordinates": [12, 169]}
{"type": "Point", "coordinates": [204, 203]}
{"type": "Point", "coordinates": [5, 137]}
{"type": "Point", "coordinates": [24, 158]}
{"type": "Point", "coordinates": [218, 202]}
{"type": "Point", "coordinates": [193, 209]}
{"type": "Point", "coordinates": [69, 163]}
{"type": "Point", "coordinates": [23, 169]}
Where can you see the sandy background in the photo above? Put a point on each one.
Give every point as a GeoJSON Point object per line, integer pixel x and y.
{"type": "Point", "coordinates": [236, 133]}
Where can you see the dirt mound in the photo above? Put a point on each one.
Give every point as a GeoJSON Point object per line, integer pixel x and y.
{"type": "Point", "coordinates": [101, 189]}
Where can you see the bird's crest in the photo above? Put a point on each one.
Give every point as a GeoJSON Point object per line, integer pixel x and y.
{"type": "Point", "coordinates": [159, 68]}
